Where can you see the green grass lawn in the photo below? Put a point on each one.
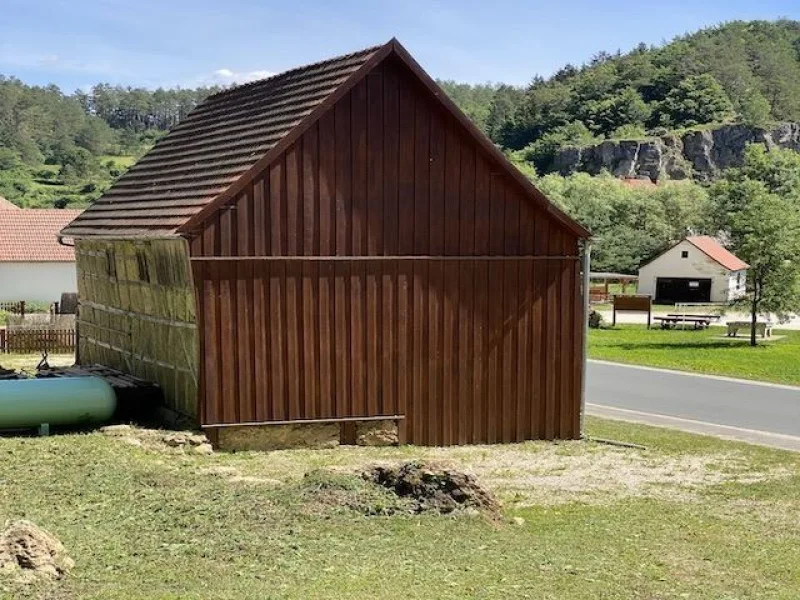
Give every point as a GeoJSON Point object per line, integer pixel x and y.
{"type": "Point", "coordinates": [688, 517]}
{"type": "Point", "coordinates": [701, 352]}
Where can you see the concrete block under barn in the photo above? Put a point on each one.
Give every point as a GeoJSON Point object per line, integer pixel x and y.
{"type": "Point", "coordinates": [338, 246]}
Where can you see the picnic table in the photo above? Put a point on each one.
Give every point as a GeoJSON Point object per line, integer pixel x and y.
{"type": "Point", "coordinates": [696, 321]}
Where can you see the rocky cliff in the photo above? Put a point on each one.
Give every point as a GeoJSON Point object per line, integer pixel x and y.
{"type": "Point", "coordinates": [701, 155]}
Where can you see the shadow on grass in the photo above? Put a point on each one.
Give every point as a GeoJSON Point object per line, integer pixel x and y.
{"type": "Point", "coordinates": [678, 344]}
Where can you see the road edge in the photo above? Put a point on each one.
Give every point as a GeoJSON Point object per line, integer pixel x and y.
{"type": "Point", "coordinates": [725, 432]}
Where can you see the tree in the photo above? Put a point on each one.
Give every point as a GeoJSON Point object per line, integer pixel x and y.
{"type": "Point", "coordinates": [542, 151]}
{"type": "Point", "coordinates": [696, 100]}
{"type": "Point", "coordinates": [761, 216]}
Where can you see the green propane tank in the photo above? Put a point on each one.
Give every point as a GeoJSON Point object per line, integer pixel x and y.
{"type": "Point", "coordinates": [29, 403]}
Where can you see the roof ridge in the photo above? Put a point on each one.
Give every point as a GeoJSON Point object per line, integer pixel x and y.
{"type": "Point", "coordinates": [319, 63]}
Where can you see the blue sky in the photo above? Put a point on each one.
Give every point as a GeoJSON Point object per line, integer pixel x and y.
{"type": "Point", "coordinates": [76, 43]}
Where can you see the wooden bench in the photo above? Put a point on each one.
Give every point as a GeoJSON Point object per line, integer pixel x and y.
{"type": "Point", "coordinates": [709, 317]}
{"type": "Point", "coordinates": [763, 329]}
{"type": "Point", "coordinates": [672, 321]}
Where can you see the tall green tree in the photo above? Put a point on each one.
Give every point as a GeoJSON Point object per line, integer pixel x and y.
{"type": "Point", "coordinates": [758, 207]}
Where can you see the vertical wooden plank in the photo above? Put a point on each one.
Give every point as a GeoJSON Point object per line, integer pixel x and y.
{"type": "Point", "coordinates": [465, 397]}
{"type": "Point", "coordinates": [310, 195]}
{"type": "Point", "coordinates": [524, 359]}
{"type": "Point", "coordinates": [388, 338]}
{"type": "Point", "coordinates": [294, 336]}
{"type": "Point", "coordinates": [344, 198]}
{"type": "Point", "coordinates": [435, 329]}
{"type": "Point", "coordinates": [327, 247]}
{"type": "Point", "coordinates": [452, 189]}
{"type": "Point", "coordinates": [310, 335]}
{"type": "Point", "coordinates": [310, 275]}
{"type": "Point", "coordinates": [420, 356]}
{"type": "Point", "coordinates": [566, 341]}
{"type": "Point", "coordinates": [481, 293]}
{"type": "Point", "coordinates": [422, 160]}
{"type": "Point", "coordinates": [342, 323]}
{"type": "Point", "coordinates": [374, 241]}
{"type": "Point", "coordinates": [481, 333]}
{"type": "Point", "coordinates": [294, 200]}
{"type": "Point", "coordinates": [277, 326]}
{"type": "Point", "coordinates": [326, 346]}
{"type": "Point", "coordinates": [358, 126]}
{"type": "Point", "coordinates": [211, 344]}
{"type": "Point", "coordinates": [261, 324]}
{"type": "Point", "coordinates": [467, 410]}
{"type": "Point", "coordinates": [539, 329]}
{"type": "Point", "coordinates": [407, 318]}
{"type": "Point", "coordinates": [260, 216]}
{"type": "Point", "coordinates": [277, 208]}
{"type": "Point", "coordinates": [510, 316]}
{"type": "Point", "coordinates": [373, 394]}
{"type": "Point", "coordinates": [450, 352]}
{"type": "Point", "coordinates": [375, 157]}
{"type": "Point", "coordinates": [357, 339]}
{"type": "Point", "coordinates": [227, 345]}
{"type": "Point", "coordinates": [244, 316]}
{"type": "Point", "coordinates": [436, 400]}
{"type": "Point", "coordinates": [553, 328]}
{"type": "Point", "coordinates": [406, 177]}
{"type": "Point", "coordinates": [391, 157]}
{"type": "Point", "coordinates": [405, 340]}
{"type": "Point", "coordinates": [327, 183]}
{"type": "Point", "coordinates": [261, 374]}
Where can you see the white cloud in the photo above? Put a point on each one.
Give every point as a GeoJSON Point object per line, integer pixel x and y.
{"type": "Point", "coordinates": [229, 76]}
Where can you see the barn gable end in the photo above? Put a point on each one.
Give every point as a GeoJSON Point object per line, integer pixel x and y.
{"type": "Point", "coordinates": [476, 281]}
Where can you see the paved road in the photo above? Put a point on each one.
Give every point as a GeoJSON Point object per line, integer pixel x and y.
{"type": "Point", "coordinates": [731, 408]}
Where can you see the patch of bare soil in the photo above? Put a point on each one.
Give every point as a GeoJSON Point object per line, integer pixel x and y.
{"type": "Point", "coordinates": [158, 440]}
{"type": "Point", "coordinates": [434, 487]}
{"type": "Point", "coordinates": [29, 551]}
{"type": "Point", "coordinates": [233, 475]}
{"type": "Point", "coordinates": [555, 473]}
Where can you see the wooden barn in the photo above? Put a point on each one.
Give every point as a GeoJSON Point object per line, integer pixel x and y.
{"type": "Point", "coordinates": [338, 244]}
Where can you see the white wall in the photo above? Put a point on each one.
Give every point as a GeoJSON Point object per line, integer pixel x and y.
{"type": "Point", "coordinates": [737, 286]}
{"type": "Point", "coordinates": [696, 265]}
{"type": "Point", "coordinates": [40, 281]}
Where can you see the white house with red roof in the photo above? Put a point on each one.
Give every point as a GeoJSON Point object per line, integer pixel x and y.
{"type": "Point", "coordinates": [33, 265]}
{"type": "Point", "coordinates": [696, 269]}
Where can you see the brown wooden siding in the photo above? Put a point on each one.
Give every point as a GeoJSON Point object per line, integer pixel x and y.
{"type": "Point", "coordinates": [451, 303]}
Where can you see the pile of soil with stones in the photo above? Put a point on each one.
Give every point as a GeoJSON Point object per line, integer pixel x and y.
{"type": "Point", "coordinates": [28, 550]}
{"type": "Point", "coordinates": [157, 440]}
{"type": "Point", "coordinates": [434, 487]}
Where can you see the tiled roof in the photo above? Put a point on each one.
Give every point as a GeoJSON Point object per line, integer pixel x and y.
{"type": "Point", "coordinates": [211, 148]}
{"type": "Point", "coordinates": [30, 235]}
{"type": "Point", "coordinates": [6, 205]}
{"type": "Point", "coordinates": [714, 250]}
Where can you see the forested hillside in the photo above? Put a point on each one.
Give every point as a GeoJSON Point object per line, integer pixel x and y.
{"type": "Point", "coordinates": [61, 149]}
{"type": "Point", "coordinates": [741, 71]}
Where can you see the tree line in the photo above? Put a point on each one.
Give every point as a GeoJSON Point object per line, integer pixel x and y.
{"type": "Point", "coordinates": [738, 71]}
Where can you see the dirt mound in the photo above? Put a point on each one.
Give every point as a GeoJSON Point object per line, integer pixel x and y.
{"type": "Point", "coordinates": [32, 550]}
{"type": "Point", "coordinates": [434, 487]}
{"type": "Point", "coordinates": [157, 440]}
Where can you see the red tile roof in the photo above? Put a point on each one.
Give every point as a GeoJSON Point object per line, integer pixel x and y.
{"type": "Point", "coordinates": [6, 205]}
{"type": "Point", "coordinates": [30, 235]}
{"type": "Point", "coordinates": [714, 250]}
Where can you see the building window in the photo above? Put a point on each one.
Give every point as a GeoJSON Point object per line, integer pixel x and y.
{"type": "Point", "coordinates": [684, 254]}
{"type": "Point", "coordinates": [739, 280]}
